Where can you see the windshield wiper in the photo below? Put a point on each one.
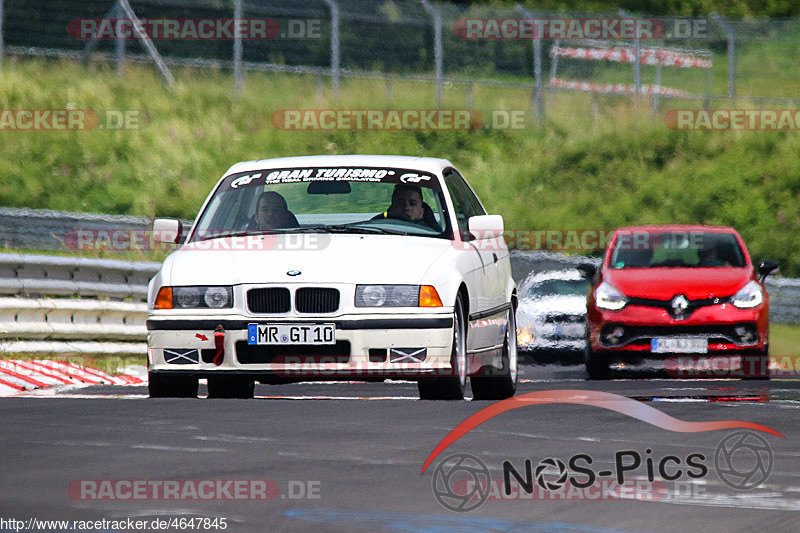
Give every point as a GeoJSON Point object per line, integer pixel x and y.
{"type": "Point", "coordinates": [327, 228]}
{"type": "Point", "coordinates": [241, 234]}
{"type": "Point", "coordinates": [345, 228]}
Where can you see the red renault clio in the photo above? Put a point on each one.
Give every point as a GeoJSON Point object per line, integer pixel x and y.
{"type": "Point", "coordinates": [665, 290]}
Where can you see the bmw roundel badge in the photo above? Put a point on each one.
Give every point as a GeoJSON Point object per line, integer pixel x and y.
{"type": "Point", "coordinates": [293, 273]}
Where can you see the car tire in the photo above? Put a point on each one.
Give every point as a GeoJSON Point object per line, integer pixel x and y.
{"type": "Point", "coordinates": [596, 363]}
{"type": "Point", "coordinates": [500, 387]}
{"type": "Point", "coordinates": [450, 387]}
{"type": "Point", "coordinates": [229, 387]}
{"type": "Point", "coordinates": [161, 386]}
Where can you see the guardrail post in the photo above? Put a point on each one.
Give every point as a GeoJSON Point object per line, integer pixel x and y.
{"type": "Point", "coordinates": [320, 89]}
{"type": "Point", "coordinates": [731, 54]}
{"type": "Point", "coordinates": [537, 105]}
{"type": "Point", "coordinates": [657, 83]}
{"type": "Point", "coordinates": [2, 37]}
{"type": "Point", "coordinates": [238, 50]}
{"type": "Point", "coordinates": [437, 47]}
{"type": "Point", "coordinates": [335, 48]}
{"type": "Point", "coordinates": [637, 65]}
{"type": "Point", "coordinates": [147, 42]}
{"type": "Point", "coordinates": [637, 55]}
{"type": "Point", "coordinates": [119, 46]}
{"type": "Point", "coordinates": [114, 12]}
{"type": "Point", "coordinates": [554, 62]}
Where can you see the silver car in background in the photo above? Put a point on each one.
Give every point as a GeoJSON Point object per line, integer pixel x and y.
{"type": "Point", "coordinates": [552, 311]}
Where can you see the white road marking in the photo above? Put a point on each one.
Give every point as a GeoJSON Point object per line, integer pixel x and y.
{"type": "Point", "coordinates": [338, 397]}
{"type": "Point", "coordinates": [177, 448]}
{"type": "Point", "coordinates": [231, 438]}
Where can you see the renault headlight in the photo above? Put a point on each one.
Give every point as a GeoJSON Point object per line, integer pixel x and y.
{"type": "Point", "coordinates": [607, 297]}
{"type": "Point", "coordinates": [748, 296]}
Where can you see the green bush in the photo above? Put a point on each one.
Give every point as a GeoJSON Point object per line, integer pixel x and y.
{"type": "Point", "coordinates": [571, 172]}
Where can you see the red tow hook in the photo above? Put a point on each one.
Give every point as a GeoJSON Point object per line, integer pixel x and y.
{"type": "Point", "coordinates": [219, 344]}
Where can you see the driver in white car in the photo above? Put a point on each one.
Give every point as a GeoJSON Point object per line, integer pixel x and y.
{"type": "Point", "coordinates": [407, 204]}
{"type": "Point", "coordinates": [272, 212]}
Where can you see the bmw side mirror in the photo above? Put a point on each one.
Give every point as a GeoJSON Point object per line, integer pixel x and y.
{"type": "Point", "coordinates": [765, 268]}
{"type": "Point", "coordinates": [167, 230]}
{"type": "Point", "coordinates": [587, 270]}
{"type": "Point", "coordinates": [486, 226]}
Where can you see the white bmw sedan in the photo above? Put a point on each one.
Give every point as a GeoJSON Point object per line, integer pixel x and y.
{"type": "Point", "coordinates": [348, 267]}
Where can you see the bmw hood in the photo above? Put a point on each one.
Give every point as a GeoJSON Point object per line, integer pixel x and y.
{"type": "Point", "coordinates": [311, 258]}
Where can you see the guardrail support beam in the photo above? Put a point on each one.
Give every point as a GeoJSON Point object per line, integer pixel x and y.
{"type": "Point", "coordinates": [335, 48]}
{"type": "Point", "coordinates": [438, 53]}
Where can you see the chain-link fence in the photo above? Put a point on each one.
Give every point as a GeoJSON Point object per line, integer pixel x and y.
{"type": "Point", "coordinates": [703, 59]}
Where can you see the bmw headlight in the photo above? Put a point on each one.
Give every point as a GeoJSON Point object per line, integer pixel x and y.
{"type": "Point", "coordinates": [202, 297]}
{"type": "Point", "coordinates": [748, 296]}
{"type": "Point", "coordinates": [607, 297]}
{"type": "Point", "coordinates": [387, 295]}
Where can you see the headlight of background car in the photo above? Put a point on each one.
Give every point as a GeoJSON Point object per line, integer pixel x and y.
{"type": "Point", "coordinates": [607, 297]}
{"type": "Point", "coordinates": [387, 295]}
{"type": "Point", "coordinates": [748, 296]}
{"type": "Point", "coordinates": [197, 297]}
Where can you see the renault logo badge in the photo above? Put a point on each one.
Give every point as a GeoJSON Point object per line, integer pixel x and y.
{"type": "Point", "coordinates": [679, 304]}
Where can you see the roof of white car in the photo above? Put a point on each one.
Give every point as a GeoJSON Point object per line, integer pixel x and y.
{"type": "Point", "coordinates": [568, 274]}
{"type": "Point", "coordinates": [429, 164]}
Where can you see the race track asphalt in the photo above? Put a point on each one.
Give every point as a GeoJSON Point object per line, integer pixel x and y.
{"type": "Point", "coordinates": [358, 448]}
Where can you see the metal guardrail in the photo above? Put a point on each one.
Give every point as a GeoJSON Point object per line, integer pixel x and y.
{"type": "Point", "coordinates": [71, 318]}
{"type": "Point", "coordinates": [46, 229]}
{"type": "Point", "coordinates": [784, 300]}
{"type": "Point", "coordinates": [46, 275]}
{"type": "Point", "coordinates": [90, 319]}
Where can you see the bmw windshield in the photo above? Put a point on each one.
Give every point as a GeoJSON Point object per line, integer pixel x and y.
{"type": "Point", "coordinates": [328, 200]}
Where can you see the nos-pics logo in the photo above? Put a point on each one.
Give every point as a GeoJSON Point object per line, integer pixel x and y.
{"type": "Point", "coordinates": [461, 482]}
